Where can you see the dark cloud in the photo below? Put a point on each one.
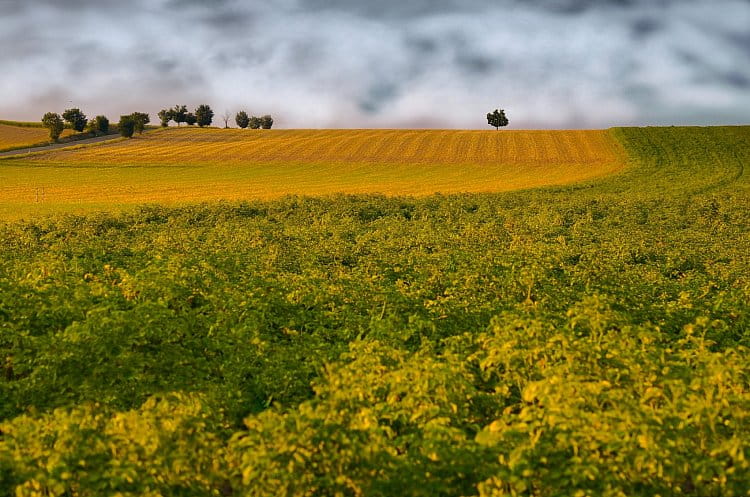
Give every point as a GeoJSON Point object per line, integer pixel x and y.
{"type": "Point", "coordinates": [384, 63]}
{"type": "Point", "coordinates": [645, 27]}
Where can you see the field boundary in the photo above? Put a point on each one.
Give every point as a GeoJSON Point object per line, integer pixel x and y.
{"type": "Point", "coordinates": [17, 153]}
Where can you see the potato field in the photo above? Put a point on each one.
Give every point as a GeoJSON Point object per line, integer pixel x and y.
{"type": "Point", "coordinates": [585, 338]}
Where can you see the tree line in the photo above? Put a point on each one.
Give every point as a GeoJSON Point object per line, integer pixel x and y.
{"type": "Point", "coordinates": [203, 116]}
{"type": "Point", "coordinates": [136, 122]}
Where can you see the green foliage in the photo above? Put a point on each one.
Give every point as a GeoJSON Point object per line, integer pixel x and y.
{"type": "Point", "coordinates": [266, 122]}
{"type": "Point", "coordinates": [179, 114]}
{"type": "Point", "coordinates": [75, 118]}
{"type": "Point", "coordinates": [255, 122]}
{"type": "Point", "coordinates": [168, 446]}
{"type": "Point", "coordinates": [99, 125]}
{"type": "Point", "coordinates": [204, 115]}
{"type": "Point", "coordinates": [165, 115]}
{"type": "Point", "coordinates": [140, 120]}
{"type": "Point", "coordinates": [127, 126]}
{"type": "Point", "coordinates": [581, 340]}
{"type": "Point", "coordinates": [242, 119]}
{"type": "Point", "coordinates": [190, 119]}
{"type": "Point", "coordinates": [497, 119]}
{"type": "Point", "coordinates": [54, 123]}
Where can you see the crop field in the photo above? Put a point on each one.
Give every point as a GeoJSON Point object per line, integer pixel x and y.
{"type": "Point", "coordinates": [16, 137]}
{"type": "Point", "coordinates": [187, 165]}
{"type": "Point", "coordinates": [581, 339]}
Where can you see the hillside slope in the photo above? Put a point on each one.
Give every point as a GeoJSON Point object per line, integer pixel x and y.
{"type": "Point", "coordinates": [189, 165]}
{"type": "Point", "coordinates": [17, 137]}
{"type": "Point", "coordinates": [589, 339]}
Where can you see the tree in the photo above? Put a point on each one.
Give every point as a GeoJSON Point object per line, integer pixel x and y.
{"type": "Point", "coordinates": [165, 115]}
{"type": "Point", "coordinates": [204, 115]}
{"type": "Point", "coordinates": [75, 118]}
{"type": "Point", "coordinates": [127, 126]}
{"type": "Point", "coordinates": [54, 123]}
{"type": "Point", "coordinates": [226, 116]}
{"type": "Point", "coordinates": [99, 125]}
{"type": "Point", "coordinates": [140, 119]}
{"type": "Point", "coordinates": [497, 118]}
{"type": "Point", "coordinates": [266, 122]}
{"type": "Point", "coordinates": [242, 119]}
{"type": "Point", "coordinates": [179, 114]}
{"type": "Point", "coordinates": [255, 122]}
{"type": "Point", "coordinates": [190, 119]}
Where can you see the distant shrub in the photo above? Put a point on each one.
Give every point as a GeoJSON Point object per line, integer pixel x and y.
{"type": "Point", "coordinates": [179, 114]}
{"type": "Point", "coordinates": [127, 126]}
{"type": "Point", "coordinates": [54, 123]}
{"type": "Point", "coordinates": [165, 115]}
{"type": "Point", "coordinates": [140, 120]}
{"type": "Point", "coordinates": [75, 118]}
{"type": "Point", "coordinates": [242, 119]}
{"type": "Point", "coordinates": [99, 125]}
{"type": "Point", "coordinates": [266, 122]}
{"type": "Point", "coordinates": [204, 115]}
{"type": "Point", "coordinates": [497, 119]}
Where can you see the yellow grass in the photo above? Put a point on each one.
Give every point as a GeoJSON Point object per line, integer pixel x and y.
{"type": "Point", "coordinates": [188, 165]}
{"type": "Point", "coordinates": [17, 137]}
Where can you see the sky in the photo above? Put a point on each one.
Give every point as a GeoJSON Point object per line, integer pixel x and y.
{"type": "Point", "coordinates": [383, 63]}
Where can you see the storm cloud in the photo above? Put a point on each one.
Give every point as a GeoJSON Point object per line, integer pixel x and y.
{"type": "Point", "coordinates": [385, 63]}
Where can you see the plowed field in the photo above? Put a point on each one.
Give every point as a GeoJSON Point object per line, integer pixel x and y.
{"type": "Point", "coordinates": [187, 165]}
{"type": "Point", "coordinates": [18, 137]}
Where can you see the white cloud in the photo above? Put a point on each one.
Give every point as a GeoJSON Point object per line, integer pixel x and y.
{"type": "Point", "coordinates": [347, 64]}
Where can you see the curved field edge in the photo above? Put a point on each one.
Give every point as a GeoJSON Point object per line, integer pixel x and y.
{"type": "Point", "coordinates": [192, 165]}
{"type": "Point", "coordinates": [576, 340]}
{"type": "Point", "coordinates": [699, 159]}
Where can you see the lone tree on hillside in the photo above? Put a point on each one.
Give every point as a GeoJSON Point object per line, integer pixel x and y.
{"type": "Point", "coordinates": [226, 116]}
{"type": "Point", "coordinates": [497, 118]}
{"type": "Point", "coordinates": [54, 123]}
{"type": "Point", "coordinates": [165, 115]}
{"type": "Point", "coordinates": [127, 126]}
{"type": "Point", "coordinates": [75, 118]}
{"type": "Point", "coordinates": [242, 119]}
{"type": "Point", "coordinates": [190, 119]}
{"type": "Point", "coordinates": [99, 125]}
{"type": "Point", "coordinates": [255, 122]}
{"type": "Point", "coordinates": [140, 119]}
{"type": "Point", "coordinates": [204, 115]}
{"type": "Point", "coordinates": [179, 114]}
{"type": "Point", "coordinates": [266, 122]}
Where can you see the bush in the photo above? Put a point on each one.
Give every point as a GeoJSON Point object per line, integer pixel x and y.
{"type": "Point", "coordinates": [242, 119]}
{"type": "Point", "coordinates": [127, 126]}
{"type": "Point", "coordinates": [99, 125]}
{"type": "Point", "coordinates": [75, 118]}
{"type": "Point", "coordinates": [54, 123]}
{"type": "Point", "coordinates": [140, 120]}
{"type": "Point", "coordinates": [204, 115]}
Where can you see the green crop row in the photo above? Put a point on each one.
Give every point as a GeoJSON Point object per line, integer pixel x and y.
{"type": "Point", "coordinates": [572, 341]}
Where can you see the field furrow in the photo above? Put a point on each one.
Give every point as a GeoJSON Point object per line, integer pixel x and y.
{"type": "Point", "coordinates": [190, 164]}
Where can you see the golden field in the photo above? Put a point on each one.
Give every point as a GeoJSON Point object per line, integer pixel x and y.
{"type": "Point", "coordinates": [174, 166]}
{"type": "Point", "coordinates": [17, 137]}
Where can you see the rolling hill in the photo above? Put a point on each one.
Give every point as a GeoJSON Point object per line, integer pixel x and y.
{"type": "Point", "coordinates": [17, 137]}
{"type": "Point", "coordinates": [187, 165]}
{"type": "Point", "coordinates": [581, 339]}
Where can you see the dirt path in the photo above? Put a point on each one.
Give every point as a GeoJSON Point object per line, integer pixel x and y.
{"type": "Point", "coordinates": [53, 146]}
